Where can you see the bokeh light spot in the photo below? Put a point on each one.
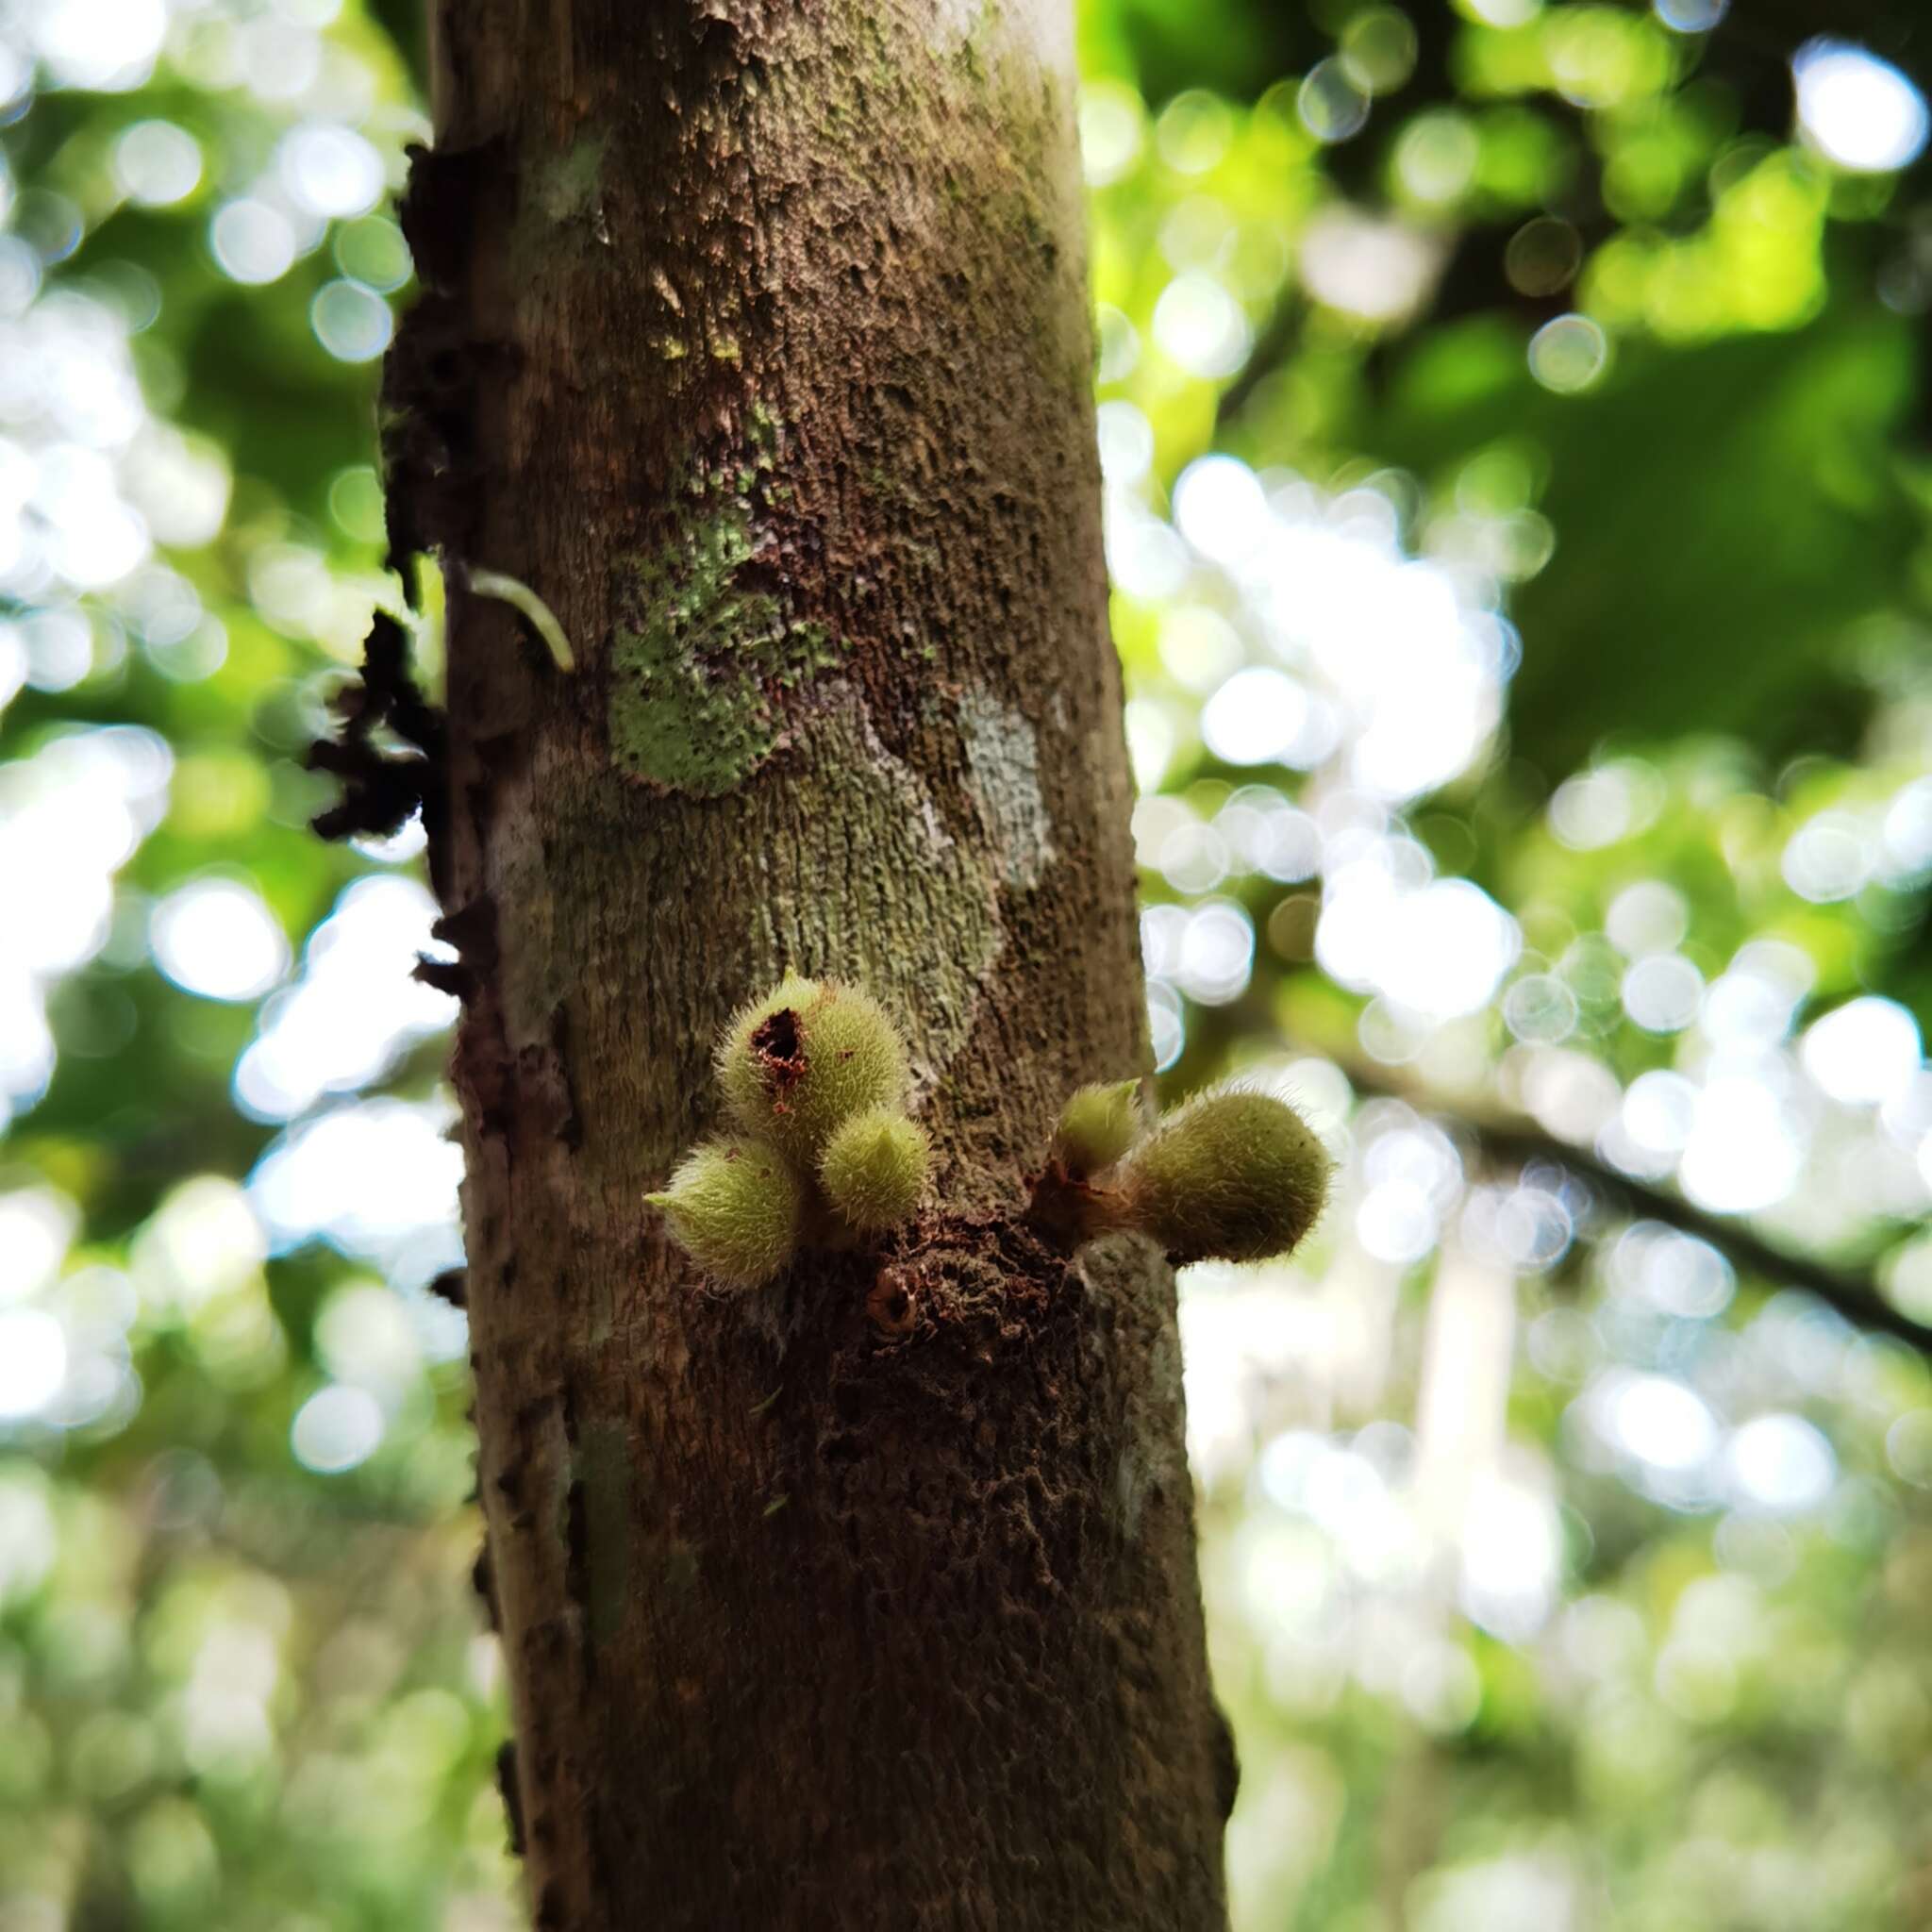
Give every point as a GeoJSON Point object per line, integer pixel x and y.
{"type": "Point", "coordinates": [1201, 325]}
{"type": "Point", "coordinates": [331, 171]}
{"type": "Point", "coordinates": [1436, 158]}
{"type": "Point", "coordinates": [1569, 354]}
{"type": "Point", "coordinates": [1378, 48]}
{"type": "Point", "coordinates": [1194, 132]}
{"type": "Point", "coordinates": [1780, 1464]}
{"type": "Point", "coordinates": [336, 1429]}
{"type": "Point", "coordinates": [216, 938]}
{"type": "Point", "coordinates": [33, 1362]}
{"type": "Point", "coordinates": [1332, 105]}
{"type": "Point", "coordinates": [157, 163]}
{"type": "Point", "coordinates": [1543, 256]}
{"type": "Point", "coordinates": [1691, 16]}
{"type": "Point", "coordinates": [1864, 1052]}
{"type": "Point", "coordinates": [253, 242]}
{"type": "Point", "coordinates": [352, 323]}
{"type": "Point", "coordinates": [1255, 717]}
{"type": "Point", "coordinates": [1662, 991]}
{"type": "Point", "coordinates": [1111, 131]}
{"type": "Point", "coordinates": [1862, 112]}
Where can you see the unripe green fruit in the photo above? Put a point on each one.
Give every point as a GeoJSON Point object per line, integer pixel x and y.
{"type": "Point", "coordinates": [1097, 1125]}
{"type": "Point", "coordinates": [1231, 1177]}
{"type": "Point", "coordinates": [734, 1208]}
{"type": "Point", "coordinates": [875, 1169]}
{"type": "Point", "coordinates": [804, 1058]}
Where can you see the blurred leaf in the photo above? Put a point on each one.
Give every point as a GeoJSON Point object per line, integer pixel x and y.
{"type": "Point", "coordinates": [261, 384]}
{"type": "Point", "coordinates": [1237, 47]}
{"type": "Point", "coordinates": [1725, 516]}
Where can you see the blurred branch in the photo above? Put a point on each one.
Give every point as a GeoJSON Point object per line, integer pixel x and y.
{"type": "Point", "coordinates": [1279, 335]}
{"type": "Point", "coordinates": [1513, 1141]}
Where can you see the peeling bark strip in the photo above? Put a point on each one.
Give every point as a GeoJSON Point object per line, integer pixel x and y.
{"type": "Point", "coordinates": [756, 343]}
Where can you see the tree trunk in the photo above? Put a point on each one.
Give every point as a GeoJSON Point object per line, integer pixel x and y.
{"type": "Point", "coordinates": [756, 343]}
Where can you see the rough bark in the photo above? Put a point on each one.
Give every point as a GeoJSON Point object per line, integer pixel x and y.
{"type": "Point", "coordinates": [755, 341]}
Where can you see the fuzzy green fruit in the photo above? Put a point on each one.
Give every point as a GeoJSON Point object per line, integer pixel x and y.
{"type": "Point", "coordinates": [875, 1169]}
{"type": "Point", "coordinates": [804, 1058]}
{"type": "Point", "coordinates": [1097, 1126]}
{"type": "Point", "coordinates": [734, 1208]}
{"type": "Point", "coordinates": [1231, 1177]}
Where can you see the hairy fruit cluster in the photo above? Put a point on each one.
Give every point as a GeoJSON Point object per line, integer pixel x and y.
{"type": "Point", "coordinates": [1230, 1175]}
{"type": "Point", "coordinates": [734, 1206]}
{"type": "Point", "coordinates": [799, 1063]}
{"type": "Point", "coordinates": [814, 1077]}
{"type": "Point", "coordinates": [1097, 1126]}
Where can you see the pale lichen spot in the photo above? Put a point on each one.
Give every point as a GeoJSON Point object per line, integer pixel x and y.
{"type": "Point", "coordinates": [1045, 31]}
{"type": "Point", "coordinates": [1003, 755]}
{"type": "Point", "coordinates": [710, 659]}
{"type": "Point", "coordinates": [568, 186]}
{"type": "Point", "coordinates": [862, 878]}
{"type": "Point", "coordinates": [954, 22]}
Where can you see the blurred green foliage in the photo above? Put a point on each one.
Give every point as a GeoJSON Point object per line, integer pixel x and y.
{"type": "Point", "coordinates": [1512, 419]}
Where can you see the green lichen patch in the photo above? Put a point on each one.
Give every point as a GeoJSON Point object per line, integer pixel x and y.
{"type": "Point", "coordinates": [697, 680]}
{"type": "Point", "coordinates": [562, 203]}
{"type": "Point", "coordinates": [710, 649]}
{"type": "Point", "coordinates": [567, 184]}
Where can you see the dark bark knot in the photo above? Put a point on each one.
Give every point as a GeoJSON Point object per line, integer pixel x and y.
{"type": "Point", "coordinates": [892, 1306]}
